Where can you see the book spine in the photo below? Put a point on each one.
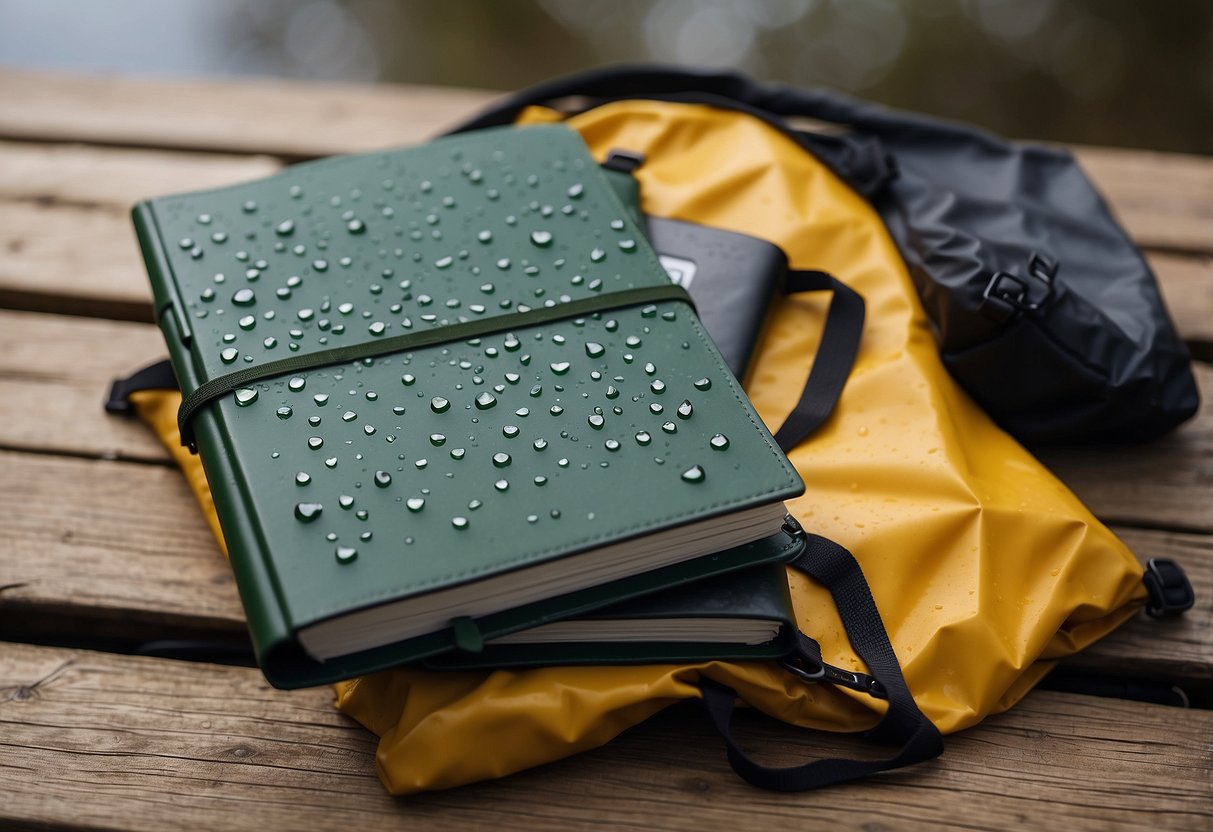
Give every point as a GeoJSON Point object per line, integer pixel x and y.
{"type": "Point", "coordinates": [268, 623]}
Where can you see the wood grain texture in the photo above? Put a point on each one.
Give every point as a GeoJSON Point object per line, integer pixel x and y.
{"type": "Point", "coordinates": [55, 372]}
{"type": "Point", "coordinates": [281, 118]}
{"type": "Point", "coordinates": [72, 259]}
{"type": "Point", "coordinates": [1165, 200]}
{"type": "Point", "coordinates": [116, 742]}
{"type": "Point", "coordinates": [119, 544]}
{"type": "Point", "coordinates": [82, 175]}
{"type": "Point", "coordinates": [1166, 484]}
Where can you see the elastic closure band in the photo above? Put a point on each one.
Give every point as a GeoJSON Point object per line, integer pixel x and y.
{"type": "Point", "coordinates": [216, 387]}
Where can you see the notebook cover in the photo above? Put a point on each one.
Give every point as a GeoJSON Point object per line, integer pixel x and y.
{"type": "Point", "coordinates": [757, 593]}
{"type": "Point", "coordinates": [352, 248]}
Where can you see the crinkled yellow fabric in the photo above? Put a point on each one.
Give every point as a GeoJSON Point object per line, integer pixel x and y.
{"type": "Point", "coordinates": [984, 566]}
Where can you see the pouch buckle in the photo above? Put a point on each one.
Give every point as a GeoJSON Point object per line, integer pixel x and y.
{"type": "Point", "coordinates": [1170, 590]}
{"type": "Point", "coordinates": [1007, 295]}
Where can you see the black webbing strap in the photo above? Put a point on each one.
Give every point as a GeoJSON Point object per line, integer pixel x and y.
{"type": "Point", "coordinates": [835, 356]}
{"type": "Point", "coordinates": [833, 566]}
{"type": "Point", "coordinates": [158, 376]}
{"type": "Point", "coordinates": [216, 387]}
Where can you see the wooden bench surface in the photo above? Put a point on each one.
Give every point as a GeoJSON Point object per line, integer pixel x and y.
{"type": "Point", "coordinates": [100, 543]}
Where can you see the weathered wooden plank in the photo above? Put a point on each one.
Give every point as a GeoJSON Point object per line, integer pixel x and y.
{"type": "Point", "coordinates": [155, 744]}
{"type": "Point", "coordinates": [124, 546]}
{"type": "Point", "coordinates": [1165, 200]}
{"type": "Point", "coordinates": [1187, 285]}
{"type": "Point", "coordinates": [54, 375]}
{"type": "Point", "coordinates": [72, 259]}
{"type": "Point", "coordinates": [281, 118]}
{"type": "Point", "coordinates": [83, 175]}
{"type": "Point", "coordinates": [119, 544]}
{"type": "Point", "coordinates": [1166, 484]}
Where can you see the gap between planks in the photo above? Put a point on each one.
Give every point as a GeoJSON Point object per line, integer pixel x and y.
{"type": "Point", "coordinates": [155, 743]}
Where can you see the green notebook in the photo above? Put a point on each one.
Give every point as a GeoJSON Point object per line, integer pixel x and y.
{"type": "Point", "coordinates": [740, 616]}
{"type": "Point", "coordinates": [459, 398]}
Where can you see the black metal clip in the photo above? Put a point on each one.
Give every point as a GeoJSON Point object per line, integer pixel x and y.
{"type": "Point", "coordinates": [814, 671]}
{"type": "Point", "coordinates": [1170, 590]}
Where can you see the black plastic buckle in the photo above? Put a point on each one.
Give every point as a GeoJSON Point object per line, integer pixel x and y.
{"type": "Point", "coordinates": [1007, 295]}
{"type": "Point", "coordinates": [1170, 590]}
{"type": "Point", "coordinates": [623, 161]}
{"type": "Point", "coordinates": [822, 672]}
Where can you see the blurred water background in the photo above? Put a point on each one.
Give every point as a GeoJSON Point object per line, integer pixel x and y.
{"type": "Point", "coordinates": [1134, 73]}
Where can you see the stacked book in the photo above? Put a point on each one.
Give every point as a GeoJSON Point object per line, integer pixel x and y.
{"type": "Point", "coordinates": [452, 409]}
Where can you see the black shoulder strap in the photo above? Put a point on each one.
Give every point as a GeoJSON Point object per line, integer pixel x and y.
{"type": "Point", "coordinates": [835, 356]}
{"type": "Point", "coordinates": [835, 568]}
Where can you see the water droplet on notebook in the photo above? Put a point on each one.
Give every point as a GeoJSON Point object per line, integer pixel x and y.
{"type": "Point", "coordinates": [302, 478]}
{"type": "Point", "coordinates": [543, 239]}
{"type": "Point", "coordinates": [485, 400]}
{"type": "Point", "coordinates": [719, 442]}
{"type": "Point", "coordinates": [501, 460]}
{"type": "Point", "coordinates": [349, 416]}
{"type": "Point", "coordinates": [315, 442]}
{"type": "Point", "coordinates": [539, 444]}
{"type": "Point", "coordinates": [459, 522]}
{"type": "Point", "coordinates": [246, 396]}
{"type": "Point", "coordinates": [597, 255]}
{"type": "Point", "coordinates": [593, 349]}
{"type": "Point", "coordinates": [560, 367]}
{"type": "Point", "coordinates": [694, 474]}
{"type": "Point", "coordinates": [229, 355]}
{"type": "Point", "coordinates": [355, 226]}
{"type": "Point", "coordinates": [346, 554]}
{"type": "Point", "coordinates": [669, 427]}
{"type": "Point", "coordinates": [307, 512]}
{"type": "Point", "coordinates": [244, 297]}
{"type": "Point", "coordinates": [509, 431]}
{"type": "Point", "coordinates": [458, 453]}
{"type": "Point", "coordinates": [321, 399]}
{"type": "Point", "coordinates": [703, 384]}
{"type": "Point", "coordinates": [686, 409]}
{"type": "Point", "coordinates": [596, 421]}
{"type": "Point", "coordinates": [501, 485]}
{"type": "Point", "coordinates": [643, 437]}
{"type": "Point", "coordinates": [657, 386]}
{"type": "Point", "coordinates": [440, 405]}
{"type": "Point", "coordinates": [284, 412]}
{"type": "Point", "coordinates": [415, 503]}
{"type": "Point", "coordinates": [612, 444]}
{"type": "Point", "coordinates": [285, 228]}
{"type": "Point", "coordinates": [383, 479]}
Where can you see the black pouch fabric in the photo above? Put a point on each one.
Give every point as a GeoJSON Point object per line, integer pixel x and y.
{"type": "Point", "coordinates": [1044, 310]}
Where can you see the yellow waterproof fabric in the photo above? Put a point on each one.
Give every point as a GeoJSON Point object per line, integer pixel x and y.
{"type": "Point", "coordinates": [984, 566]}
